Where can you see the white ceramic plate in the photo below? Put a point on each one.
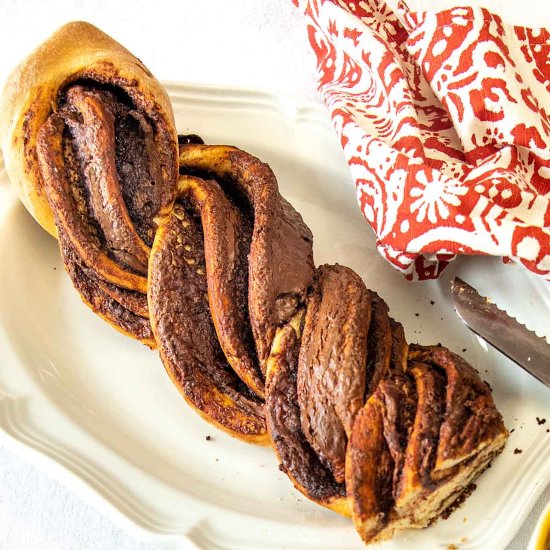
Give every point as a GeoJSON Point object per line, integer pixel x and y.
{"type": "Point", "coordinates": [99, 413]}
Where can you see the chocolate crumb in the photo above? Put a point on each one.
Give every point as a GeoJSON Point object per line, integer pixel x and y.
{"type": "Point", "coordinates": [208, 438]}
{"type": "Point", "coordinates": [512, 430]}
{"type": "Point", "coordinates": [518, 451]}
{"type": "Point", "coordinates": [432, 302]}
{"type": "Point", "coordinates": [547, 430]}
{"type": "Point", "coordinates": [541, 421]}
{"type": "Point", "coordinates": [55, 268]}
{"type": "Point", "coordinates": [464, 350]}
{"type": "Point", "coordinates": [190, 138]}
{"type": "Point", "coordinates": [417, 314]}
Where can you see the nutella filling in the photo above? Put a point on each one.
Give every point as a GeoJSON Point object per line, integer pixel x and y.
{"type": "Point", "coordinates": [100, 301]}
{"type": "Point", "coordinates": [398, 393]}
{"type": "Point", "coordinates": [297, 458]}
{"type": "Point", "coordinates": [292, 266]}
{"type": "Point", "coordinates": [105, 165]}
{"type": "Point", "coordinates": [281, 257]}
{"type": "Point", "coordinates": [380, 343]}
{"type": "Point", "coordinates": [331, 372]}
{"type": "Point", "coordinates": [227, 230]}
{"type": "Point", "coordinates": [181, 319]}
{"type": "Point", "coordinates": [139, 170]}
{"type": "Point", "coordinates": [91, 123]}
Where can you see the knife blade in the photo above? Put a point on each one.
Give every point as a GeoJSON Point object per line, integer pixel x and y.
{"type": "Point", "coordinates": [494, 325]}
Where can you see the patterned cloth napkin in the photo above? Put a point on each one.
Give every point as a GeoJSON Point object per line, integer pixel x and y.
{"type": "Point", "coordinates": [444, 121]}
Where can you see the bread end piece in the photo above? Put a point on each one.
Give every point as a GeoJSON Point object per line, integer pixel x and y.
{"type": "Point", "coordinates": [78, 50]}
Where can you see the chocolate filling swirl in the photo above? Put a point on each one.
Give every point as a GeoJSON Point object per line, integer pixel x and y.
{"type": "Point", "coordinates": [105, 163]}
{"type": "Point", "coordinates": [367, 426]}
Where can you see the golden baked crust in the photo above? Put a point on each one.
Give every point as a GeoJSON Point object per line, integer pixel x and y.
{"type": "Point", "coordinates": [76, 51]}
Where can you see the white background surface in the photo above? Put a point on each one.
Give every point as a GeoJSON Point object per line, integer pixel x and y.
{"type": "Point", "coordinates": [249, 43]}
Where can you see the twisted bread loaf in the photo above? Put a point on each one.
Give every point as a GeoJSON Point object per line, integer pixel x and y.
{"type": "Point", "coordinates": [89, 141]}
{"type": "Point", "coordinates": [216, 269]}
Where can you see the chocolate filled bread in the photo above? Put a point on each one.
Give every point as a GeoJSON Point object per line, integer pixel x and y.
{"type": "Point", "coordinates": [121, 308]}
{"type": "Point", "coordinates": [331, 375]}
{"type": "Point", "coordinates": [191, 249]}
{"type": "Point", "coordinates": [89, 141]}
{"type": "Point", "coordinates": [182, 324]}
{"type": "Point", "coordinates": [280, 260]}
{"type": "Point", "coordinates": [296, 456]}
{"type": "Point", "coordinates": [216, 296]}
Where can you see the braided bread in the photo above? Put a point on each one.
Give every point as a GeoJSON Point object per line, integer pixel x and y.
{"type": "Point", "coordinates": [215, 269]}
{"type": "Point", "coordinates": [89, 142]}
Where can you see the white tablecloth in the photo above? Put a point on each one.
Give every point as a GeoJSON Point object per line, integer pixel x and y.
{"type": "Point", "coordinates": [249, 43]}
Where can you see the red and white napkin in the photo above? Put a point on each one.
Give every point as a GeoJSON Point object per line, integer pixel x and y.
{"type": "Point", "coordinates": [444, 119]}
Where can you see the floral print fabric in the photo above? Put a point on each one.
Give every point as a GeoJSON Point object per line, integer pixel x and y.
{"type": "Point", "coordinates": [444, 121]}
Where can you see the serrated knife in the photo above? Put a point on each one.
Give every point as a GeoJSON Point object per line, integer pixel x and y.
{"type": "Point", "coordinates": [494, 325]}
